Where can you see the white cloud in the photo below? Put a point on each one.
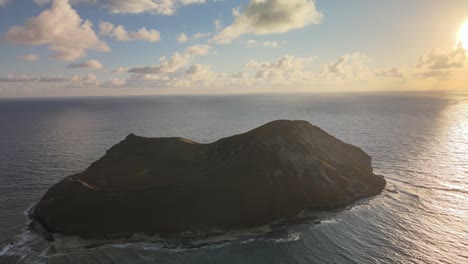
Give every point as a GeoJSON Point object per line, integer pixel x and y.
{"type": "Point", "coordinates": [271, 44]}
{"type": "Point", "coordinates": [62, 29]}
{"type": "Point", "coordinates": [21, 78]}
{"type": "Point", "coordinates": [29, 57]}
{"type": "Point", "coordinates": [196, 75]}
{"type": "Point", "coordinates": [114, 82]}
{"type": "Point", "coordinates": [197, 50]}
{"type": "Point", "coordinates": [443, 59]}
{"type": "Point", "coordinates": [139, 6]}
{"type": "Point", "coordinates": [188, 2]}
{"type": "Point", "coordinates": [89, 79]}
{"type": "Point", "coordinates": [174, 63]}
{"type": "Point", "coordinates": [170, 70]}
{"type": "Point", "coordinates": [160, 7]}
{"type": "Point", "coordinates": [286, 69]}
{"type": "Point", "coordinates": [91, 64]}
{"type": "Point", "coordinates": [182, 38]}
{"type": "Point", "coordinates": [353, 66]}
{"type": "Point", "coordinates": [200, 35]}
{"type": "Point", "coordinates": [85, 80]}
{"type": "Point", "coordinates": [441, 63]}
{"type": "Point", "coordinates": [121, 34]}
{"type": "Point", "coordinates": [199, 72]}
{"type": "Point", "coordinates": [120, 70]}
{"type": "Point", "coordinates": [270, 16]}
{"type": "Point", "coordinates": [393, 72]}
{"type": "Point", "coordinates": [285, 73]}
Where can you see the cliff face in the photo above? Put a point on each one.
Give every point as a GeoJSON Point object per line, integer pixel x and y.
{"type": "Point", "coordinates": [171, 185]}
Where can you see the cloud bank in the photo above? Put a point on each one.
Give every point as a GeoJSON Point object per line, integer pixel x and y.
{"type": "Point", "coordinates": [91, 64]}
{"type": "Point", "coordinates": [270, 16]}
{"type": "Point", "coordinates": [121, 34]}
{"type": "Point", "coordinates": [159, 7]}
{"type": "Point", "coordinates": [172, 64]}
{"type": "Point", "coordinates": [62, 29]}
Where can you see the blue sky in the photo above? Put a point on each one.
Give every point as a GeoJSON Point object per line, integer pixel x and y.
{"type": "Point", "coordinates": [108, 47]}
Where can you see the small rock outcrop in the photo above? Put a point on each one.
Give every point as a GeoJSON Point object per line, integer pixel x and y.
{"type": "Point", "coordinates": [171, 185]}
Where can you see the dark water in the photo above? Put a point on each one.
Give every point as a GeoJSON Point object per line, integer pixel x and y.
{"type": "Point", "coordinates": [418, 141]}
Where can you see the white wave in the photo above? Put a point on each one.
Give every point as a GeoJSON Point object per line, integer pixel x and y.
{"type": "Point", "coordinates": [290, 238]}
{"type": "Point", "coordinates": [247, 241]}
{"type": "Point", "coordinates": [28, 210]}
{"type": "Point", "coordinates": [5, 249]}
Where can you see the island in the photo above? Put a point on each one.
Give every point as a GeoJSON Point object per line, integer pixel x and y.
{"type": "Point", "coordinates": [167, 186]}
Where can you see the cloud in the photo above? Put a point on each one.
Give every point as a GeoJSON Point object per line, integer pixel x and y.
{"type": "Point", "coordinates": [287, 72]}
{"type": "Point", "coordinates": [174, 63]}
{"type": "Point", "coordinates": [173, 71]}
{"type": "Point", "coordinates": [286, 69]}
{"type": "Point", "coordinates": [42, 79]}
{"type": "Point", "coordinates": [85, 80]}
{"type": "Point", "coordinates": [433, 74]}
{"type": "Point", "coordinates": [441, 63]}
{"type": "Point", "coordinates": [114, 82]}
{"type": "Point", "coordinates": [29, 57]}
{"type": "Point", "coordinates": [393, 72]}
{"type": "Point", "coordinates": [4, 2]}
{"type": "Point", "coordinates": [182, 38]}
{"type": "Point", "coordinates": [272, 44]}
{"type": "Point", "coordinates": [353, 65]}
{"type": "Point", "coordinates": [198, 50]}
{"type": "Point", "coordinates": [196, 75]}
{"type": "Point", "coordinates": [270, 16]}
{"type": "Point", "coordinates": [443, 59]}
{"type": "Point", "coordinates": [91, 64]}
{"type": "Point", "coordinates": [121, 34]}
{"type": "Point", "coordinates": [159, 7]}
{"type": "Point", "coordinates": [22, 78]}
{"type": "Point", "coordinates": [199, 72]}
{"type": "Point", "coordinates": [139, 6]}
{"type": "Point", "coordinates": [62, 81]}
{"type": "Point", "coordinates": [200, 35]}
{"type": "Point", "coordinates": [62, 29]}
{"type": "Point", "coordinates": [120, 70]}
{"type": "Point", "coordinates": [188, 2]}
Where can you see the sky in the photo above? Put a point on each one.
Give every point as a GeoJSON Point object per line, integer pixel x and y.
{"type": "Point", "coordinates": [134, 47]}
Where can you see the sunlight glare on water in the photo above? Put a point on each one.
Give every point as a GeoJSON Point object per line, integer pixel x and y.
{"type": "Point", "coordinates": [419, 142]}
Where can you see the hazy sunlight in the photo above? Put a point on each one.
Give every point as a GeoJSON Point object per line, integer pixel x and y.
{"type": "Point", "coordinates": [463, 35]}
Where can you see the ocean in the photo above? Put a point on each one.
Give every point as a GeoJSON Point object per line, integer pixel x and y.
{"type": "Point", "coordinates": [418, 141]}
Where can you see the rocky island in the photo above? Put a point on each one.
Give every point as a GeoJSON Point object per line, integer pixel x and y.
{"type": "Point", "coordinates": [170, 185]}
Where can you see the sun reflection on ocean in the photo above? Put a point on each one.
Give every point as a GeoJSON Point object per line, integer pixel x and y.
{"type": "Point", "coordinates": [445, 201]}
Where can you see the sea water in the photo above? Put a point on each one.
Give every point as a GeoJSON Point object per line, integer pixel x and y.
{"type": "Point", "coordinates": [418, 141]}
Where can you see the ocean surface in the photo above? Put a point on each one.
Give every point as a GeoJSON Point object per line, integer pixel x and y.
{"type": "Point", "coordinates": [418, 141]}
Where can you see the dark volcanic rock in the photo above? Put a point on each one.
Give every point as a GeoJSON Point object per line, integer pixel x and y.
{"type": "Point", "coordinates": [171, 185]}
